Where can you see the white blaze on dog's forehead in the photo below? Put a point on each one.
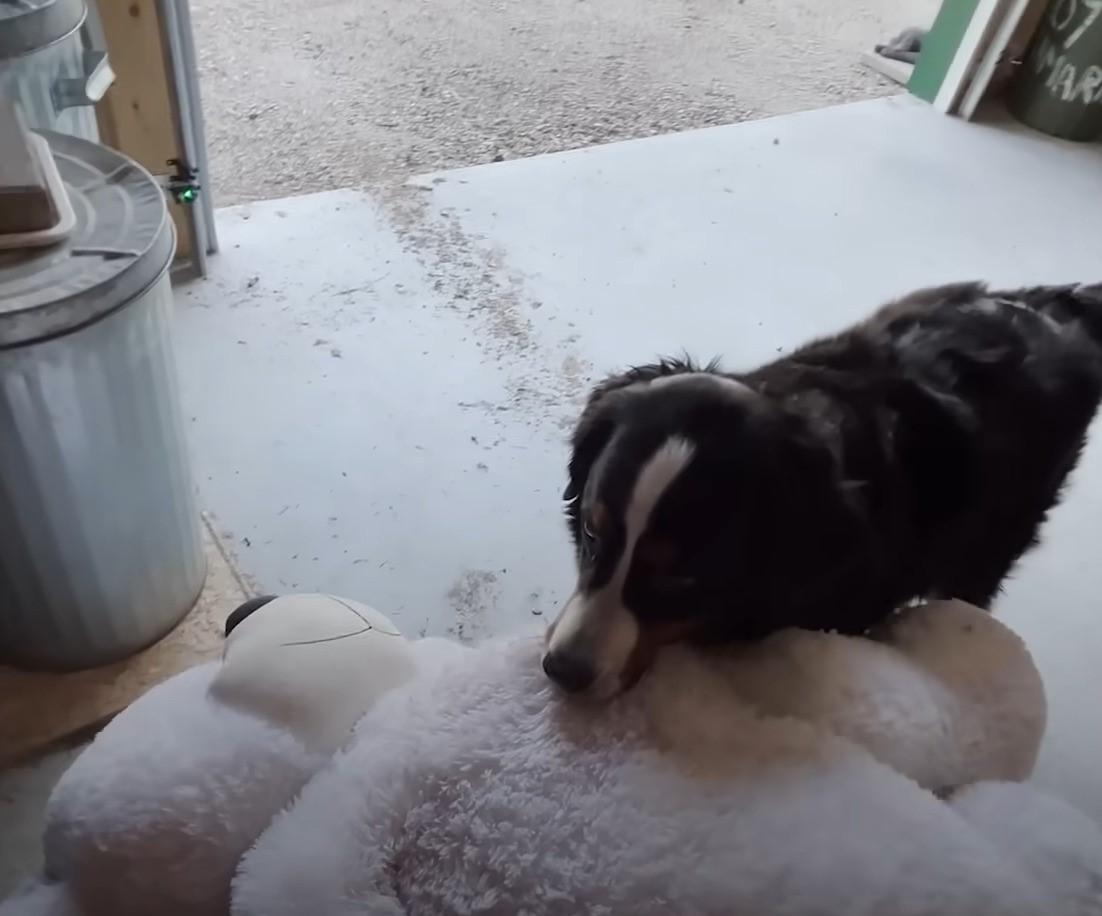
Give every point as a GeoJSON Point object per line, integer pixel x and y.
{"type": "Point", "coordinates": [662, 469]}
{"type": "Point", "coordinates": [598, 625]}
{"type": "Point", "coordinates": [724, 383]}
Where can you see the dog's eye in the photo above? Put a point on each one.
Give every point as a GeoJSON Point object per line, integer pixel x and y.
{"type": "Point", "coordinates": [593, 525]}
{"type": "Point", "coordinates": [590, 540]}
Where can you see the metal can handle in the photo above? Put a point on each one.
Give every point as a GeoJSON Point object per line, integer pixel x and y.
{"type": "Point", "coordinates": [87, 89]}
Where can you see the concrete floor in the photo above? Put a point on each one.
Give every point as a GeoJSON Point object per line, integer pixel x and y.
{"type": "Point", "coordinates": [368, 92]}
{"type": "Point", "coordinates": [380, 389]}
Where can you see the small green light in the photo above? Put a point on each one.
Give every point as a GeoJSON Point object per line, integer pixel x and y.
{"type": "Point", "coordinates": [186, 195]}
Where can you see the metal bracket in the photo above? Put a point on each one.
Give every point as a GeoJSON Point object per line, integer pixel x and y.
{"type": "Point", "coordinates": [183, 183]}
{"type": "Point", "coordinates": [88, 89]}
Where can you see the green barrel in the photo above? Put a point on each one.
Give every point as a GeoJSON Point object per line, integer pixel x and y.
{"type": "Point", "coordinates": [1058, 88]}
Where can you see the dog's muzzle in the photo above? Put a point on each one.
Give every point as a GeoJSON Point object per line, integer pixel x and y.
{"type": "Point", "coordinates": [569, 670]}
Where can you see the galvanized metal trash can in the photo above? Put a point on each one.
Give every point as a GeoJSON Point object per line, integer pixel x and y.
{"type": "Point", "coordinates": [101, 550]}
{"type": "Point", "coordinates": [48, 67]}
{"type": "Point", "coordinates": [1058, 88]}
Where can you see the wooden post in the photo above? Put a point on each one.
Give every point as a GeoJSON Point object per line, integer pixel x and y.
{"type": "Point", "coordinates": [1010, 39]}
{"type": "Point", "coordinates": [942, 46]}
{"type": "Point", "coordinates": [137, 115]}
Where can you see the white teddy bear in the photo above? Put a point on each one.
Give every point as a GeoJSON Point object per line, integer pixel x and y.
{"type": "Point", "coordinates": [329, 767]}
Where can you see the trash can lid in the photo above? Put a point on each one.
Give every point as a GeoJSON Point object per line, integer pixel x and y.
{"type": "Point", "coordinates": [27, 25]}
{"type": "Point", "coordinates": [123, 240]}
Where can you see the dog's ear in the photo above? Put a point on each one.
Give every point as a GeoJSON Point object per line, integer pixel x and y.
{"type": "Point", "coordinates": [592, 432]}
{"type": "Point", "coordinates": [598, 420]}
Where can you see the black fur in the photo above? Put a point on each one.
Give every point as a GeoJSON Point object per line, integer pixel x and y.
{"type": "Point", "coordinates": [915, 455]}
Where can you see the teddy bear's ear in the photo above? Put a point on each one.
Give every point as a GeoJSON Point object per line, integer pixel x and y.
{"type": "Point", "coordinates": [244, 609]}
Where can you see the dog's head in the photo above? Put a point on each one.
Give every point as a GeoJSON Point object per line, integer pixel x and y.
{"type": "Point", "coordinates": [699, 510]}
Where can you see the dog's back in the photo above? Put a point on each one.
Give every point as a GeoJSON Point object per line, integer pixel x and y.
{"type": "Point", "coordinates": [1022, 374]}
{"type": "Point", "coordinates": [914, 455]}
{"type": "Point", "coordinates": [970, 412]}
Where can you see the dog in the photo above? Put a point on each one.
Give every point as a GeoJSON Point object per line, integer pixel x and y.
{"type": "Point", "coordinates": [913, 456]}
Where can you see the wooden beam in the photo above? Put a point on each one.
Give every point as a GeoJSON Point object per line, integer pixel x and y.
{"type": "Point", "coordinates": [973, 43]}
{"type": "Point", "coordinates": [1011, 36]}
{"type": "Point", "coordinates": [136, 116]}
{"type": "Point", "coordinates": [940, 47]}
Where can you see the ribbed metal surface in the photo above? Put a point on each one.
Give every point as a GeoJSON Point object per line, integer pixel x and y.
{"type": "Point", "coordinates": [100, 545]}
{"type": "Point", "coordinates": [30, 80]}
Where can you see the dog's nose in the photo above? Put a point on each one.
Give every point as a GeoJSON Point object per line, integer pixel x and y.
{"type": "Point", "coordinates": [569, 671]}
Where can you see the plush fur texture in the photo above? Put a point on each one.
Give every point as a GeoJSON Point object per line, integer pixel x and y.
{"type": "Point", "coordinates": [706, 791]}
{"type": "Point", "coordinates": [798, 777]}
{"type": "Point", "coordinates": [915, 455]}
{"type": "Point", "coordinates": [155, 815]}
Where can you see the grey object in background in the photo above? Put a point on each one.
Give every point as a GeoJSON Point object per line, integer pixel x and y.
{"type": "Point", "coordinates": [100, 541]}
{"type": "Point", "coordinates": [1058, 89]}
{"type": "Point", "coordinates": [905, 47]}
{"type": "Point", "coordinates": [48, 67]}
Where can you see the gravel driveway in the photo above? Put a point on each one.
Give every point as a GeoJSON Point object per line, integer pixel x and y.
{"type": "Point", "coordinates": [344, 93]}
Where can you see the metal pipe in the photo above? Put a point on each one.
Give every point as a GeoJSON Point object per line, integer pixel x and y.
{"type": "Point", "coordinates": [182, 104]}
{"type": "Point", "coordinates": [195, 109]}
